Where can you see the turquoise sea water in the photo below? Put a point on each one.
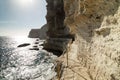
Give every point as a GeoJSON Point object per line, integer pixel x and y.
{"type": "Point", "coordinates": [23, 63]}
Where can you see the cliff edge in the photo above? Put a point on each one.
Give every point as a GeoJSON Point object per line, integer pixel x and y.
{"type": "Point", "coordinates": [86, 36]}
{"type": "Point", "coordinates": [38, 33]}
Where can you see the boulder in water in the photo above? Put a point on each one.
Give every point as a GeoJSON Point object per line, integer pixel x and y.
{"type": "Point", "coordinates": [35, 48]}
{"type": "Point", "coordinates": [23, 45]}
{"type": "Point", "coordinates": [36, 42]}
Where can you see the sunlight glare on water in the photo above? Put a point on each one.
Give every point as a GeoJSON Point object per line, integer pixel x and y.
{"type": "Point", "coordinates": [25, 64]}
{"type": "Point", "coordinates": [21, 39]}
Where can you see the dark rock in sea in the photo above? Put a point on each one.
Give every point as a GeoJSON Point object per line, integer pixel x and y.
{"type": "Point", "coordinates": [36, 42]}
{"type": "Point", "coordinates": [37, 39]}
{"type": "Point", "coordinates": [23, 45]}
{"type": "Point", "coordinates": [41, 44]}
{"type": "Point", "coordinates": [38, 33]}
{"type": "Point", "coordinates": [35, 48]}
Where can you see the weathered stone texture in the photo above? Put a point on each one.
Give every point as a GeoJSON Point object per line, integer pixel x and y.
{"type": "Point", "coordinates": [95, 53]}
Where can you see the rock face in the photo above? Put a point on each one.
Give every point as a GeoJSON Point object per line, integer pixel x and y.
{"type": "Point", "coordinates": [94, 28]}
{"type": "Point", "coordinates": [57, 32]}
{"type": "Point", "coordinates": [38, 33]}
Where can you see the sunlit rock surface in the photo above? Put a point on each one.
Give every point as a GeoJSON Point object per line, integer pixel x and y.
{"type": "Point", "coordinates": [38, 33]}
{"type": "Point", "coordinates": [95, 52]}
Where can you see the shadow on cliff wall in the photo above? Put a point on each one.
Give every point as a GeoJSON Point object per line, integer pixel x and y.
{"type": "Point", "coordinates": [58, 34]}
{"type": "Point", "coordinates": [84, 23]}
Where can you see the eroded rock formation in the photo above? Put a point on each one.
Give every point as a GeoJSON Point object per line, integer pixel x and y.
{"type": "Point", "coordinates": [58, 33]}
{"type": "Point", "coordinates": [94, 53]}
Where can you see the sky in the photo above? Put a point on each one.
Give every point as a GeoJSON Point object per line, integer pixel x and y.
{"type": "Point", "coordinates": [18, 17]}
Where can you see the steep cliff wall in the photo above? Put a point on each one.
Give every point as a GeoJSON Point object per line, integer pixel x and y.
{"type": "Point", "coordinates": [94, 54]}
{"type": "Point", "coordinates": [58, 33]}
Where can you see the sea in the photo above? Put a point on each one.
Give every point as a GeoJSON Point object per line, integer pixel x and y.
{"type": "Point", "coordinates": [22, 63]}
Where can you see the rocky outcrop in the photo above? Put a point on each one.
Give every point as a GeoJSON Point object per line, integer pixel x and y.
{"type": "Point", "coordinates": [38, 33]}
{"type": "Point", "coordinates": [94, 28]}
{"type": "Point", "coordinates": [58, 33]}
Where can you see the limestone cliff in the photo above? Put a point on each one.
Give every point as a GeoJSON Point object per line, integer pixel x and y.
{"type": "Point", "coordinates": [38, 33]}
{"type": "Point", "coordinates": [57, 32]}
{"type": "Point", "coordinates": [88, 32]}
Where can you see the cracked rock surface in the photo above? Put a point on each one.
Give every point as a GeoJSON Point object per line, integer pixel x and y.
{"type": "Point", "coordinates": [94, 53]}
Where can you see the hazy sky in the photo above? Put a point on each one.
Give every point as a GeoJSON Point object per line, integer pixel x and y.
{"type": "Point", "coordinates": [17, 17]}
